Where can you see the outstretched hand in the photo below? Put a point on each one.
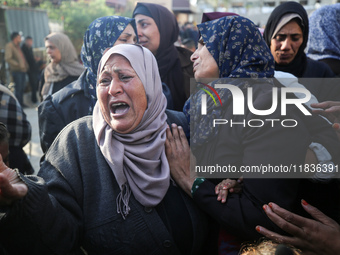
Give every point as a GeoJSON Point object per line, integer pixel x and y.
{"type": "Point", "coordinates": [11, 187]}
{"type": "Point", "coordinates": [179, 156]}
{"type": "Point", "coordinates": [330, 110]}
{"type": "Point", "coordinates": [313, 237]}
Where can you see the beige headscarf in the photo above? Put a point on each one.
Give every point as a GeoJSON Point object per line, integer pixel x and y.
{"type": "Point", "coordinates": [137, 159]}
{"type": "Point", "coordinates": [68, 66]}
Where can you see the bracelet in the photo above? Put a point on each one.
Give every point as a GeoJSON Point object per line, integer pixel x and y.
{"type": "Point", "coordinates": [196, 184]}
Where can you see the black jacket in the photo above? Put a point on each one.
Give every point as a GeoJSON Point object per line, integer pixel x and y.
{"type": "Point", "coordinates": [29, 56]}
{"type": "Point", "coordinates": [271, 145]}
{"type": "Point", "coordinates": [75, 205]}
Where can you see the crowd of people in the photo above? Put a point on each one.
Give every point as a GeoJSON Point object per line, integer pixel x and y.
{"type": "Point", "coordinates": [127, 139]}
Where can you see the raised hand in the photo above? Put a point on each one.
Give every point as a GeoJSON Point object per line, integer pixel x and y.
{"type": "Point", "coordinates": [180, 158]}
{"type": "Point", "coordinates": [12, 187]}
{"type": "Point", "coordinates": [330, 110]}
{"type": "Point", "coordinates": [313, 237]}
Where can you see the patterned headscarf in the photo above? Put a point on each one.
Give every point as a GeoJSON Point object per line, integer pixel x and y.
{"type": "Point", "coordinates": [324, 30]}
{"type": "Point", "coordinates": [237, 47]}
{"type": "Point", "coordinates": [100, 35]}
{"type": "Point", "coordinates": [240, 52]}
{"type": "Point", "coordinates": [137, 159]}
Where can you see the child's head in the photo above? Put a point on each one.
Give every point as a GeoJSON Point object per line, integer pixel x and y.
{"type": "Point", "coordinates": [4, 146]}
{"type": "Point", "coordinates": [268, 247]}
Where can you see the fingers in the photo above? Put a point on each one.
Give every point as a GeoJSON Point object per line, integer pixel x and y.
{"type": "Point", "coordinates": [222, 195]}
{"type": "Point", "coordinates": [2, 164]}
{"type": "Point", "coordinates": [179, 137]}
{"type": "Point", "coordinates": [330, 110]}
{"type": "Point", "coordinates": [224, 188]}
{"type": "Point", "coordinates": [336, 126]}
{"type": "Point", "coordinates": [220, 192]}
{"type": "Point", "coordinates": [9, 192]}
{"type": "Point", "coordinates": [287, 221]}
{"type": "Point", "coordinates": [317, 214]}
{"type": "Point", "coordinates": [333, 109]}
{"type": "Point", "coordinates": [325, 104]}
{"type": "Point", "coordinates": [274, 236]}
{"type": "Point", "coordinates": [168, 142]}
{"type": "Point", "coordinates": [179, 158]}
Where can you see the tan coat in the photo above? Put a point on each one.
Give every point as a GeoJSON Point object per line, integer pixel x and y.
{"type": "Point", "coordinates": [15, 58]}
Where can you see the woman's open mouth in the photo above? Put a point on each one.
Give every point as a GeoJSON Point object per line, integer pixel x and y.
{"type": "Point", "coordinates": [119, 108]}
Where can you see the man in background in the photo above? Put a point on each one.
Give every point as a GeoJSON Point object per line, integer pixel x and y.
{"type": "Point", "coordinates": [33, 68]}
{"type": "Point", "coordinates": [17, 65]}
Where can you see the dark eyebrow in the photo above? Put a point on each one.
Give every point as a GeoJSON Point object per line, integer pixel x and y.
{"type": "Point", "coordinates": [104, 72]}
{"type": "Point", "coordinates": [141, 20]}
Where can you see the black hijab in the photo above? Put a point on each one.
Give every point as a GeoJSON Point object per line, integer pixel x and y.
{"type": "Point", "coordinates": [169, 64]}
{"type": "Point", "coordinates": [298, 65]}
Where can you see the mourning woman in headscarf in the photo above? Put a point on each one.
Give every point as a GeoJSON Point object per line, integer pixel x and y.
{"type": "Point", "coordinates": [324, 36]}
{"type": "Point", "coordinates": [78, 99]}
{"type": "Point", "coordinates": [158, 31]}
{"type": "Point", "coordinates": [231, 51]}
{"type": "Point", "coordinates": [105, 184]}
{"type": "Point", "coordinates": [286, 34]}
{"type": "Point", "coordinates": [64, 66]}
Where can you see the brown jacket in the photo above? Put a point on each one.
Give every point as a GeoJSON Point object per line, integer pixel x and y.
{"type": "Point", "coordinates": [15, 58]}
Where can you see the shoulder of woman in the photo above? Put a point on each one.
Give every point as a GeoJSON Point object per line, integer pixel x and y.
{"type": "Point", "coordinates": [318, 69]}
{"type": "Point", "coordinates": [81, 127]}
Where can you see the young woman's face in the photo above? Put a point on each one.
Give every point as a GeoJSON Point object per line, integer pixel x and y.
{"type": "Point", "coordinates": [52, 52]}
{"type": "Point", "coordinates": [121, 95]}
{"type": "Point", "coordinates": [128, 36]}
{"type": "Point", "coordinates": [286, 43]}
{"type": "Point", "coordinates": [204, 65]}
{"type": "Point", "coordinates": [148, 32]}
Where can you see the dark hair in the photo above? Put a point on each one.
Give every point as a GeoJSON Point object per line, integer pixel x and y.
{"type": "Point", "coordinates": [4, 135]}
{"type": "Point", "coordinates": [300, 23]}
{"type": "Point", "coordinates": [28, 38]}
{"type": "Point", "coordinates": [14, 34]}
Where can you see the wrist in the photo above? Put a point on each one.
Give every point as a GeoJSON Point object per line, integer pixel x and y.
{"type": "Point", "coordinates": [196, 184]}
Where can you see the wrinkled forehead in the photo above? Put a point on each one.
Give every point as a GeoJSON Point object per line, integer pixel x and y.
{"type": "Point", "coordinates": [132, 53]}
{"type": "Point", "coordinates": [117, 62]}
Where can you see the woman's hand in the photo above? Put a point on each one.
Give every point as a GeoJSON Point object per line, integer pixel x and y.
{"type": "Point", "coordinates": [313, 237]}
{"type": "Point", "coordinates": [11, 187]}
{"type": "Point", "coordinates": [180, 158]}
{"type": "Point", "coordinates": [228, 185]}
{"type": "Point", "coordinates": [330, 110]}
